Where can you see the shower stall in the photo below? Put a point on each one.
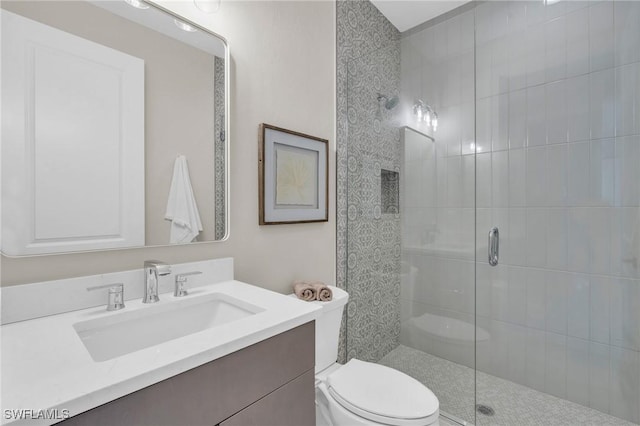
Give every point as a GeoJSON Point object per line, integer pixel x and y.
{"type": "Point", "coordinates": [489, 206]}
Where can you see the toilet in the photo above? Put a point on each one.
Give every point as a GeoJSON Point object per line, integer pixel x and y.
{"type": "Point", "coordinates": [359, 392]}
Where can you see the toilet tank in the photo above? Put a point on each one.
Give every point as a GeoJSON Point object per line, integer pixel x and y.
{"type": "Point", "coordinates": [328, 329]}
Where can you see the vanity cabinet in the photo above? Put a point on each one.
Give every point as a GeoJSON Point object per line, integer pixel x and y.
{"type": "Point", "coordinates": [268, 383]}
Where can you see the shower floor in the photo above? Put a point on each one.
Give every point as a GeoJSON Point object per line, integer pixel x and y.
{"type": "Point", "coordinates": [514, 404]}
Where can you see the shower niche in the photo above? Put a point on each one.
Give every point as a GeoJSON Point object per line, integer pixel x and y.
{"type": "Point", "coordinates": [389, 191]}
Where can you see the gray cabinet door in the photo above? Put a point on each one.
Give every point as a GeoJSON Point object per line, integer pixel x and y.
{"type": "Point", "coordinates": [291, 405]}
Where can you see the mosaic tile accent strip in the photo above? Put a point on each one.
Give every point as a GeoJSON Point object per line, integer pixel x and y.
{"type": "Point", "coordinates": [514, 404]}
{"type": "Point", "coordinates": [219, 148]}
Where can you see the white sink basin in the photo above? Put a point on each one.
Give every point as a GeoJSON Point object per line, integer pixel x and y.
{"type": "Point", "coordinates": [125, 332]}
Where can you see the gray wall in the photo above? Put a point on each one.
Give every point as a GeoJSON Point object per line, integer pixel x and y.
{"type": "Point", "coordinates": [368, 241]}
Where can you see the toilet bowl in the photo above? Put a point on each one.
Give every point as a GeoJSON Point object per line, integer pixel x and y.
{"type": "Point", "coordinates": [363, 393]}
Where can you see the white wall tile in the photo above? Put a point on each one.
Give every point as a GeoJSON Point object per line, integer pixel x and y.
{"type": "Point", "coordinates": [500, 122]}
{"type": "Point", "coordinates": [536, 353]}
{"type": "Point", "coordinates": [625, 384]}
{"type": "Point", "coordinates": [599, 389]}
{"type": "Point", "coordinates": [516, 239]}
{"type": "Point", "coordinates": [483, 70]}
{"type": "Point", "coordinates": [628, 99]}
{"type": "Point", "coordinates": [555, 9]}
{"type": "Point", "coordinates": [500, 65]}
{"type": "Point", "coordinates": [536, 13]}
{"type": "Point", "coordinates": [536, 116]}
{"type": "Point", "coordinates": [578, 307]}
{"type": "Point", "coordinates": [601, 39]}
{"type": "Point", "coordinates": [517, 178]}
{"type": "Point", "coordinates": [517, 119]}
{"type": "Point", "coordinates": [517, 59]}
{"type": "Point", "coordinates": [625, 313]}
{"type": "Point", "coordinates": [578, 371]}
{"type": "Point", "coordinates": [500, 356]}
{"type": "Point", "coordinates": [537, 237]}
{"type": "Point", "coordinates": [556, 365]}
{"type": "Point", "coordinates": [517, 295]}
{"type": "Point", "coordinates": [468, 128]}
{"type": "Point", "coordinates": [578, 247]}
{"type": "Point", "coordinates": [500, 178]}
{"type": "Point", "coordinates": [483, 179]}
{"type": "Point", "coordinates": [535, 52]}
{"type": "Point", "coordinates": [578, 126]}
{"type": "Point", "coordinates": [499, 292]}
{"type": "Point", "coordinates": [454, 181]}
{"type": "Point", "coordinates": [557, 239]}
{"type": "Point", "coordinates": [484, 222]}
{"type": "Point", "coordinates": [600, 309]}
{"type": "Point", "coordinates": [600, 240]}
{"type": "Point", "coordinates": [483, 125]}
{"type": "Point", "coordinates": [577, 42]}
{"type": "Point", "coordinates": [483, 290]}
{"type": "Point", "coordinates": [601, 103]}
{"type": "Point", "coordinates": [556, 109]}
{"type": "Point", "coordinates": [517, 16]}
{"type": "Point", "coordinates": [629, 242]}
{"type": "Point", "coordinates": [601, 172]}
{"type": "Point", "coordinates": [556, 40]}
{"type": "Point", "coordinates": [556, 302]}
{"type": "Point", "coordinates": [578, 174]}
{"type": "Point", "coordinates": [536, 177]}
{"type": "Point", "coordinates": [627, 31]}
{"type": "Point", "coordinates": [627, 179]}
{"type": "Point", "coordinates": [557, 176]}
{"type": "Point", "coordinates": [517, 364]}
{"type": "Point", "coordinates": [536, 298]}
{"type": "Point", "coordinates": [468, 181]}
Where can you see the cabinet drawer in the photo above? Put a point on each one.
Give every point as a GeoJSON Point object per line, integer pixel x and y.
{"type": "Point", "coordinates": [291, 405]}
{"type": "Point", "coordinates": [213, 392]}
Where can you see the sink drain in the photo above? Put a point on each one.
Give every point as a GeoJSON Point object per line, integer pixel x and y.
{"type": "Point", "coordinates": [485, 409]}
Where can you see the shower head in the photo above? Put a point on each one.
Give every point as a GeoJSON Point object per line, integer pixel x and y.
{"type": "Point", "coordinates": [389, 103]}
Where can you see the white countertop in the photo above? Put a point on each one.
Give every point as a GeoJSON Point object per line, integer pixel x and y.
{"type": "Point", "coordinates": [45, 365]}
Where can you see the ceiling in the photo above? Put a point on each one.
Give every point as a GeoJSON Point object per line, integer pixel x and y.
{"type": "Point", "coordinates": [406, 14]}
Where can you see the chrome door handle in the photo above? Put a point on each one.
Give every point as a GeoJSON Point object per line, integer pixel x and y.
{"type": "Point", "coordinates": [494, 246]}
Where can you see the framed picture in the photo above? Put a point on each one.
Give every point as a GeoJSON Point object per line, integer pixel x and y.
{"type": "Point", "coordinates": [293, 177]}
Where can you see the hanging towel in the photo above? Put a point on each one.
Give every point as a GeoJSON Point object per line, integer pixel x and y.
{"type": "Point", "coordinates": [182, 209]}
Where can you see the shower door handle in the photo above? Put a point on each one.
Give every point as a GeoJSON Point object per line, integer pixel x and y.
{"type": "Point", "coordinates": [494, 246]}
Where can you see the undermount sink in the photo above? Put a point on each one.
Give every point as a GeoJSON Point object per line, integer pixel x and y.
{"type": "Point", "coordinates": [122, 333]}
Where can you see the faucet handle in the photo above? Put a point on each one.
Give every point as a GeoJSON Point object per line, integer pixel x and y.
{"type": "Point", "coordinates": [116, 295]}
{"type": "Point", "coordinates": [181, 280]}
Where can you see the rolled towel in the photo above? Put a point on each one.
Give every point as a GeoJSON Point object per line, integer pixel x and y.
{"type": "Point", "coordinates": [304, 290]}
{"type": "Point", "coordinates": [323, 292]}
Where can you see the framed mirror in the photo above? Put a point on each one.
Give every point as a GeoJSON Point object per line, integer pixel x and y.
{"type": "Point", "coordinates": [114, 127]}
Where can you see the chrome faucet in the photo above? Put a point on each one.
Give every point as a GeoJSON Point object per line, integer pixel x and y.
{"type": "Point", "coordinates": [152, 270]}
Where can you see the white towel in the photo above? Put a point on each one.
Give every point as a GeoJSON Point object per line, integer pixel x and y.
{"type": "Point", "coordinates": [182, 209]}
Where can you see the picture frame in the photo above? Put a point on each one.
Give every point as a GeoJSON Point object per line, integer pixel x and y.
{"type": "Point", "coordinates": [293, 177]}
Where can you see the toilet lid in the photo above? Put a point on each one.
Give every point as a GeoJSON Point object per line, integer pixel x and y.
{"type": "Point", "coordinates": [374, 391]}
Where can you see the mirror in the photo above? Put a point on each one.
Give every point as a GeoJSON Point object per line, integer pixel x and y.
{"type": "Point", "coordinates": [114, 127]}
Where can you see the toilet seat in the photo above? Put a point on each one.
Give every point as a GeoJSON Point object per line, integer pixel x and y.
{"type": "Point", "coordinates": [382, 394]}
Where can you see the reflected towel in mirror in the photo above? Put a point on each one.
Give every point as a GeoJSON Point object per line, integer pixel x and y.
{"type": "Point", "coordinates": [182, 209]}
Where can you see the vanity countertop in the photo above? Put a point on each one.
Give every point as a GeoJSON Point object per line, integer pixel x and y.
{"type": "Point", "coordinates": [45, 365]}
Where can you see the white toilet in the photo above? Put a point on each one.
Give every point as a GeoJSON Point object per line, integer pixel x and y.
{"type": "Point", "coordinates": [363, 393]}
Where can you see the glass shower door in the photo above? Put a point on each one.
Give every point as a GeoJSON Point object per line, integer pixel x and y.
{"type": "Point", "coordinates": [558, 173]}
{"type": "Point", "coordinates": [437, 209]}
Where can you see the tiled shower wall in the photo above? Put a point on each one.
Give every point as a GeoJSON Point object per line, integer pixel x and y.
{"type": "Point", "coordinates": [558, 171]}
{"type": "Point", "coordinates": [367, 142]}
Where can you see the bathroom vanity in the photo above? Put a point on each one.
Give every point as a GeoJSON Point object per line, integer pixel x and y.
{"type": "Point", "coordinates": [227, 353]}
{"type": "Point", "coordinates": [268, 383]}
